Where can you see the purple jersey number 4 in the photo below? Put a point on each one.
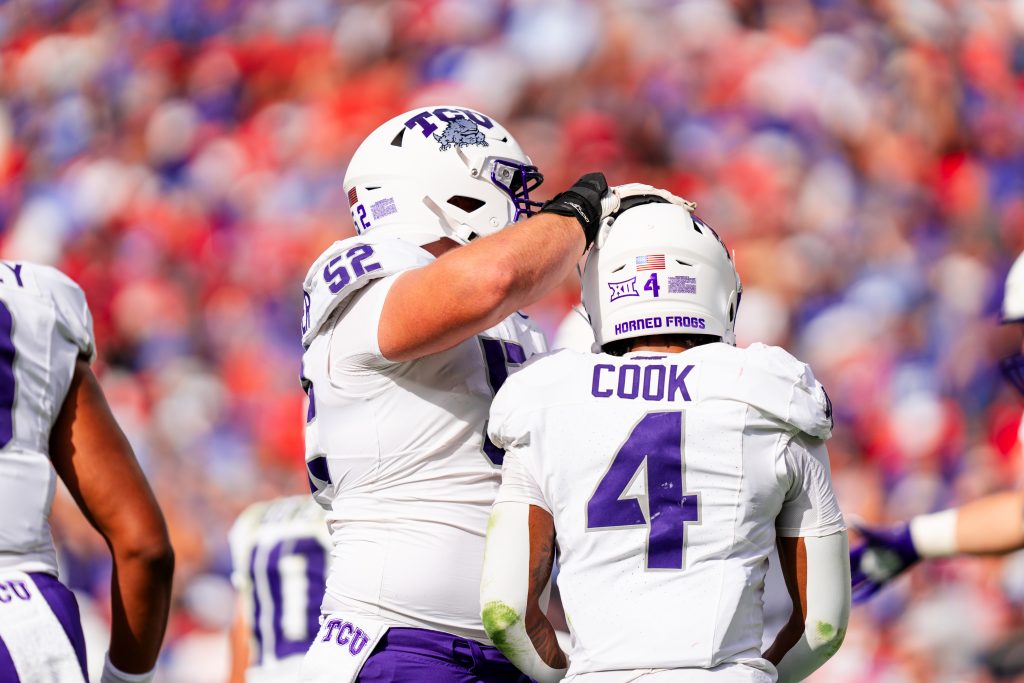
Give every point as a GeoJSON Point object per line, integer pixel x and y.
{"type": "Point", "coordinates": [656, 444]}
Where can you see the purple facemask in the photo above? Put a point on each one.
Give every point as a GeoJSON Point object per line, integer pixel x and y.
{"type": "Point", "coordinates": [517, 180]}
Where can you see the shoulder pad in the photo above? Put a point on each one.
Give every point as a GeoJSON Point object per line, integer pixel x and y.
{"type": "Point", "coordinates": [790, 391]}
{"type": "Point", "coordinates": [345, 268]}
{"type": "Point", "coordinates": [74, 319]}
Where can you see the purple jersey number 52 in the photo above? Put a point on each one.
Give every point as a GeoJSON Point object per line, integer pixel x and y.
{"type": "Point", "coordinates": [656, 443]}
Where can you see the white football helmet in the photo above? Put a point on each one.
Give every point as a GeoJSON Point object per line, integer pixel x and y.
{"type": "Point", "coordinates": [658, 269]}
{"type": "Point", "coordinates": [440, 171]}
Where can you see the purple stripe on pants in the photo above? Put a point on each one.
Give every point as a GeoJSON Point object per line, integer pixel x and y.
{"type": "Point", "coordinates": [64, 606]}
{"type": "Point", "coordinates": [414, 655]}
{"type": "Point", "coordinates": [8, 674]}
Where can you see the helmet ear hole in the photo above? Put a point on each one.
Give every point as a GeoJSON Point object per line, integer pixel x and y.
{"type": "Point", "coordinates": [397, 141]}
{"type": "Point", "coordinates": [467, 204]}
{"type": "Point", "coordinates": [732, 312]}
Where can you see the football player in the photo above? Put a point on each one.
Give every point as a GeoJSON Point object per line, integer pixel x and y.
{"type": "Point", "coordinates": [55, 419]}
{"type": "Point", "coordinates": [991, 525]}
{"type": "Point", "coordinates": [279, 554]}
{"type": "Point", "coordinates": [665, 469]}
{"type": "Point", "coordinates": [409, 328]}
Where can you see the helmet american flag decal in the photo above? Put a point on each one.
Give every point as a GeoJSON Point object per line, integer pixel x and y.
{"type": "Point", "coordinates": [650, 262]}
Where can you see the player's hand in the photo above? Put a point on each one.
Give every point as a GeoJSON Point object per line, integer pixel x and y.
{"type": "Point", "coordinates": [882, 555]}
{"type": "Point", "coordinates": [589, 201]}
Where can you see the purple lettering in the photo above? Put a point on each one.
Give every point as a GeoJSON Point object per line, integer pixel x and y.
{"type": "Point", "coordinates": [359, 641]}
{"type": "Point", "coordinates": [595, 386]}
{"type": "Point", "coordinates": [634, 389]}
{"type": "Point", "coordinates": [4, 594]}
{"type": "Point", "coordinates": [16, 269]}
{"type": "Point", "coordinates": [478, 118]}
{"type": "Point", "coordinates": [651, 385]}
{"type": "Point", "coordinates": [448, 115]}
{"type": "Point", "coordinates": [331, 625]}
{"type": "Point", "coordinates": [20, 590]}
{"type": "Point", "coordinates": [306, 303]}
{"type": "Point", "coordinates": [342, 636]}
{"type": "Point", "coordinates": [423, 121]}
{"type": "Point", "coordinates": [677, 382]}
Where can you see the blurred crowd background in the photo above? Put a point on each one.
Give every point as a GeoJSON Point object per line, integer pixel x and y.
{"type": "Point", "coordinates": [183, 161]}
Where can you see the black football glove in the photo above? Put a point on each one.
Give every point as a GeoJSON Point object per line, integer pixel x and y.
{"type": "Point", "coordinates": [582, 201]}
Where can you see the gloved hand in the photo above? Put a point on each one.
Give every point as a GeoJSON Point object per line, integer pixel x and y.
{"type": "Point", "coordinates": [585, 201]}
{"type": "Point", "coordinates": [882, 555]}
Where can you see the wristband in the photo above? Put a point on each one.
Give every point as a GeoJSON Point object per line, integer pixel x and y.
{"type": "Point", "coordinates": [934, 535]}
{"type": "Point", "coordinates": [111, 674]}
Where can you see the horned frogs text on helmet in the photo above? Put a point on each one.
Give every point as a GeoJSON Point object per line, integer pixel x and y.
{"type": "Point", "coordinates": [658, 269]}
{"type": "Point", "coordinates": [440, 171]}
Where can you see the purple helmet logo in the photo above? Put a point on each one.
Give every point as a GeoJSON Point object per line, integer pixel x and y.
{"type": "Point", "coordinates": [461, 133]}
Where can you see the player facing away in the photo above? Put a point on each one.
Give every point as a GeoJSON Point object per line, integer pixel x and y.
{"type": "Point", "coordinates": [409, 328]}
{"type": "Point", "coordinates": [279, 554]}
{"type": "Point", "coordinates": [990, 525]}
{"type": "Point", "coordinates": [55, 419]}
{"type": "Point", "coordinates": [664, 470]}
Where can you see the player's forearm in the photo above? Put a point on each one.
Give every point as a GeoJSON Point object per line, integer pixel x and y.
{"type": "Point", "coordinates": [469, 289]}
{"type": "Point", "coordinates": [239, 661]}
{"type": "Point", "coordinates": [140, 602]}
{"type": "Point", "coordinates": [990, 525]}
{"type": "Point", "coordinates": [827, 608]}
{"type": "Point", "coordinates": [513, 268]}
{"type": "Point", "coordinates": [509, 592]}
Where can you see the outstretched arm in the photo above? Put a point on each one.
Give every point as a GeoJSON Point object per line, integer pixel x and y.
{"type": "Point", "coordinates": [517, 566]}
{"type": "Point", "coordinates": [992, 525]}
{"type": "Point", "coordinates": [817, 576]}
{"type": "Point", "coordinates": [94, 459]}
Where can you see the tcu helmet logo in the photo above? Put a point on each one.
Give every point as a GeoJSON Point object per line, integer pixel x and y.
{"type": "Point", "coordinates": [461, 133]}
{"type": "Point", "coordinates": [463, 126]}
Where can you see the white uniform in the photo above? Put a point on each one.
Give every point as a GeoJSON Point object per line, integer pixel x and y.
{"type": "Point", "coordinates": [397, 451]}
{"type": "Point", "coordinates": [279, 554]}
{"type": "Point", "coordinates": [45, 325]}
{"type": "Point", "coordinates": [668, 477]}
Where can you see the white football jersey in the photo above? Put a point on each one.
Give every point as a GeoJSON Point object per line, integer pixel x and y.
{"type": "Point", "coordinates": [398, 452]}
{"type": "Point", "coordinates": [279, 556]}
{"type": "Point", "coordinates": [668, 477]}
{"type": "Point", "coordinates": [45, 326]}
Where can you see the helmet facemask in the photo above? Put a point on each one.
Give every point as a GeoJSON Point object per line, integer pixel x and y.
{"type": "Point", "coordinates": [517, 180]}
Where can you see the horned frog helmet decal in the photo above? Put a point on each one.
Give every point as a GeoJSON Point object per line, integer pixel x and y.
{"type": "Point", "coordinates": [461, 133]}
